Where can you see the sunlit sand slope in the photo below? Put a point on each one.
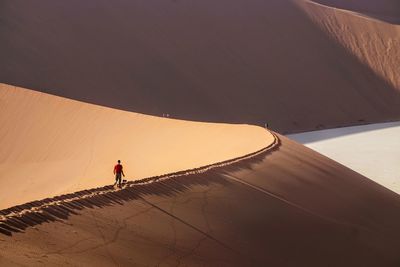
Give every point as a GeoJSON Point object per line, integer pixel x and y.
{"type": "Point", "coordinates": [225, 61]}
{"type": "Point", "coordinates": [386, 10]}
{"type": "Point", "coordinates": [288, 207]}
{"type": "Point", "coordinates": [52, 145]}
{"type": "Point", "coordinates": [374, 42]}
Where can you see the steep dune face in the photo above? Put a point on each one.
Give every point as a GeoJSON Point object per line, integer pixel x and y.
{"type": "Point", "coordinates": [275, 61]}
{"type": "Point", "coordinates": [52, 145]}
{"type": "Point", "coordinates": [233, 61]}
{"type": "Point", "coordinates": [387, 10]}
{"type": "Point", "coordinates": [288, 207]}
{"type": "Point", "coordinates": [373, 42]}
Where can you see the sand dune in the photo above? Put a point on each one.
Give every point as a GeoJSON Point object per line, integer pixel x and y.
{"type": "Point", "coordinates": [233, 61]}
{"type": "Point", "coordinates": [286, 207]}
{"type": "Point", "coordinates": [387, 10]}
{"type": "Point", "coordinates": [372, 150]}
{"type": "Point", "coordinates": [297, 65]}
{"type": "Point", "coordinates": [52, 145]}
{"type": "Point", "coordinates": [373, 42]}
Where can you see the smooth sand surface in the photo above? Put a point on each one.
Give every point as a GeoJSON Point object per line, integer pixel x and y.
{"type": "Point", "coordinates": [52, 145]}
{"type": "Point", "coordinates": [372, 150]}
{"type": "Point", "coordinates": [261, 61]}
{"type": "Point", "coordinates": [289, 207]}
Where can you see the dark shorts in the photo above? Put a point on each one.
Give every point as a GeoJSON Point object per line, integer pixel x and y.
{"type": "Point", "coordinates": [118, 177]}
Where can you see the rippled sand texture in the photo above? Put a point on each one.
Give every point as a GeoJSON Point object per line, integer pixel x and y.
{"type": "Point", "coordinates": [373, 40]}
{"type": "Point", "coordinates": [286, 207]}
{"type": "Point", "coordinates": [295, 67]}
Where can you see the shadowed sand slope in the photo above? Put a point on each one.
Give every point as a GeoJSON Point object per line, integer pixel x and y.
{"type": "Point", "coordinates": [235, 61]}
{"type": "Point", "coordinates": [52, 145]}
{"type": "Point", "coordinates": [286, 207]}
{"type": "Point", "coordinates": [372, 150]}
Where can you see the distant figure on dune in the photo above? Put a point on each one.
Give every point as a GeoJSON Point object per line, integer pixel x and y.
{"type": "Point", "coordinates": [118, 171]}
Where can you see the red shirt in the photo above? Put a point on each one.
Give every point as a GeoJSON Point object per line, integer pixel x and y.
{"type": "Point", "coordinates": [118, 168]}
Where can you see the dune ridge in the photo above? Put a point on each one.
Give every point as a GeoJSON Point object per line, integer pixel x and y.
{"type": "Point", "coordinates": [52, 145]}
{"type": "Point", "coordinates": [384, 10]}
{"type": "Point", "coordinates": [315, 210]}
{"type": "Point", "coordinates": [373, 42]}
{"type": "Point", "coordinates": [235, 61]}
{"type": "Point", "coordinates": [18, 218]}
{"type": "Point", "coordinates": [217, 194]}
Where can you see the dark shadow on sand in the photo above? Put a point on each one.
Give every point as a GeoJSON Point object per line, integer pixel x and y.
{"type": "Point", "coordinates": [220, 81]}
{"type": "Point", "coordinates": [46, 210]}
{"type": "Point", "coordinates": [315, 136]}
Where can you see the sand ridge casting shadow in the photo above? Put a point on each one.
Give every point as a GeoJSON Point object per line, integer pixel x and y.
{"type": "Point", "coordinates": [173, 63]}
{"type": "Point", "coordinates": [384, 10]}
{"type": "Point", "coordinates": [18, 218]}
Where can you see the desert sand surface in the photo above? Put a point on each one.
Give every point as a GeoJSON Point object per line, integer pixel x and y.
{"type": "Point", "coordinates": [96, 67]}
{"type": "Point", "coordinates": [386, 10]}
{"type": "Point", "coordinates": [372, 150]}
{"type": "Point", "coordinates": [224, 61]}
{"type": "Point", "coordinates": [373, 41]}
{"type": "Point", "coordinates": [52, 145]}
{"type": "Point", "coordinates": [287, 207]}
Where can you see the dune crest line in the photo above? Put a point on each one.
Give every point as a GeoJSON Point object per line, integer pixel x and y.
{"type": "Point", "coordinates": [13, 219]}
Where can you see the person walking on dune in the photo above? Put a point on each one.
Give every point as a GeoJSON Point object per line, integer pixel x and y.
{"type": "Point", "coordinates": [118, 171]}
